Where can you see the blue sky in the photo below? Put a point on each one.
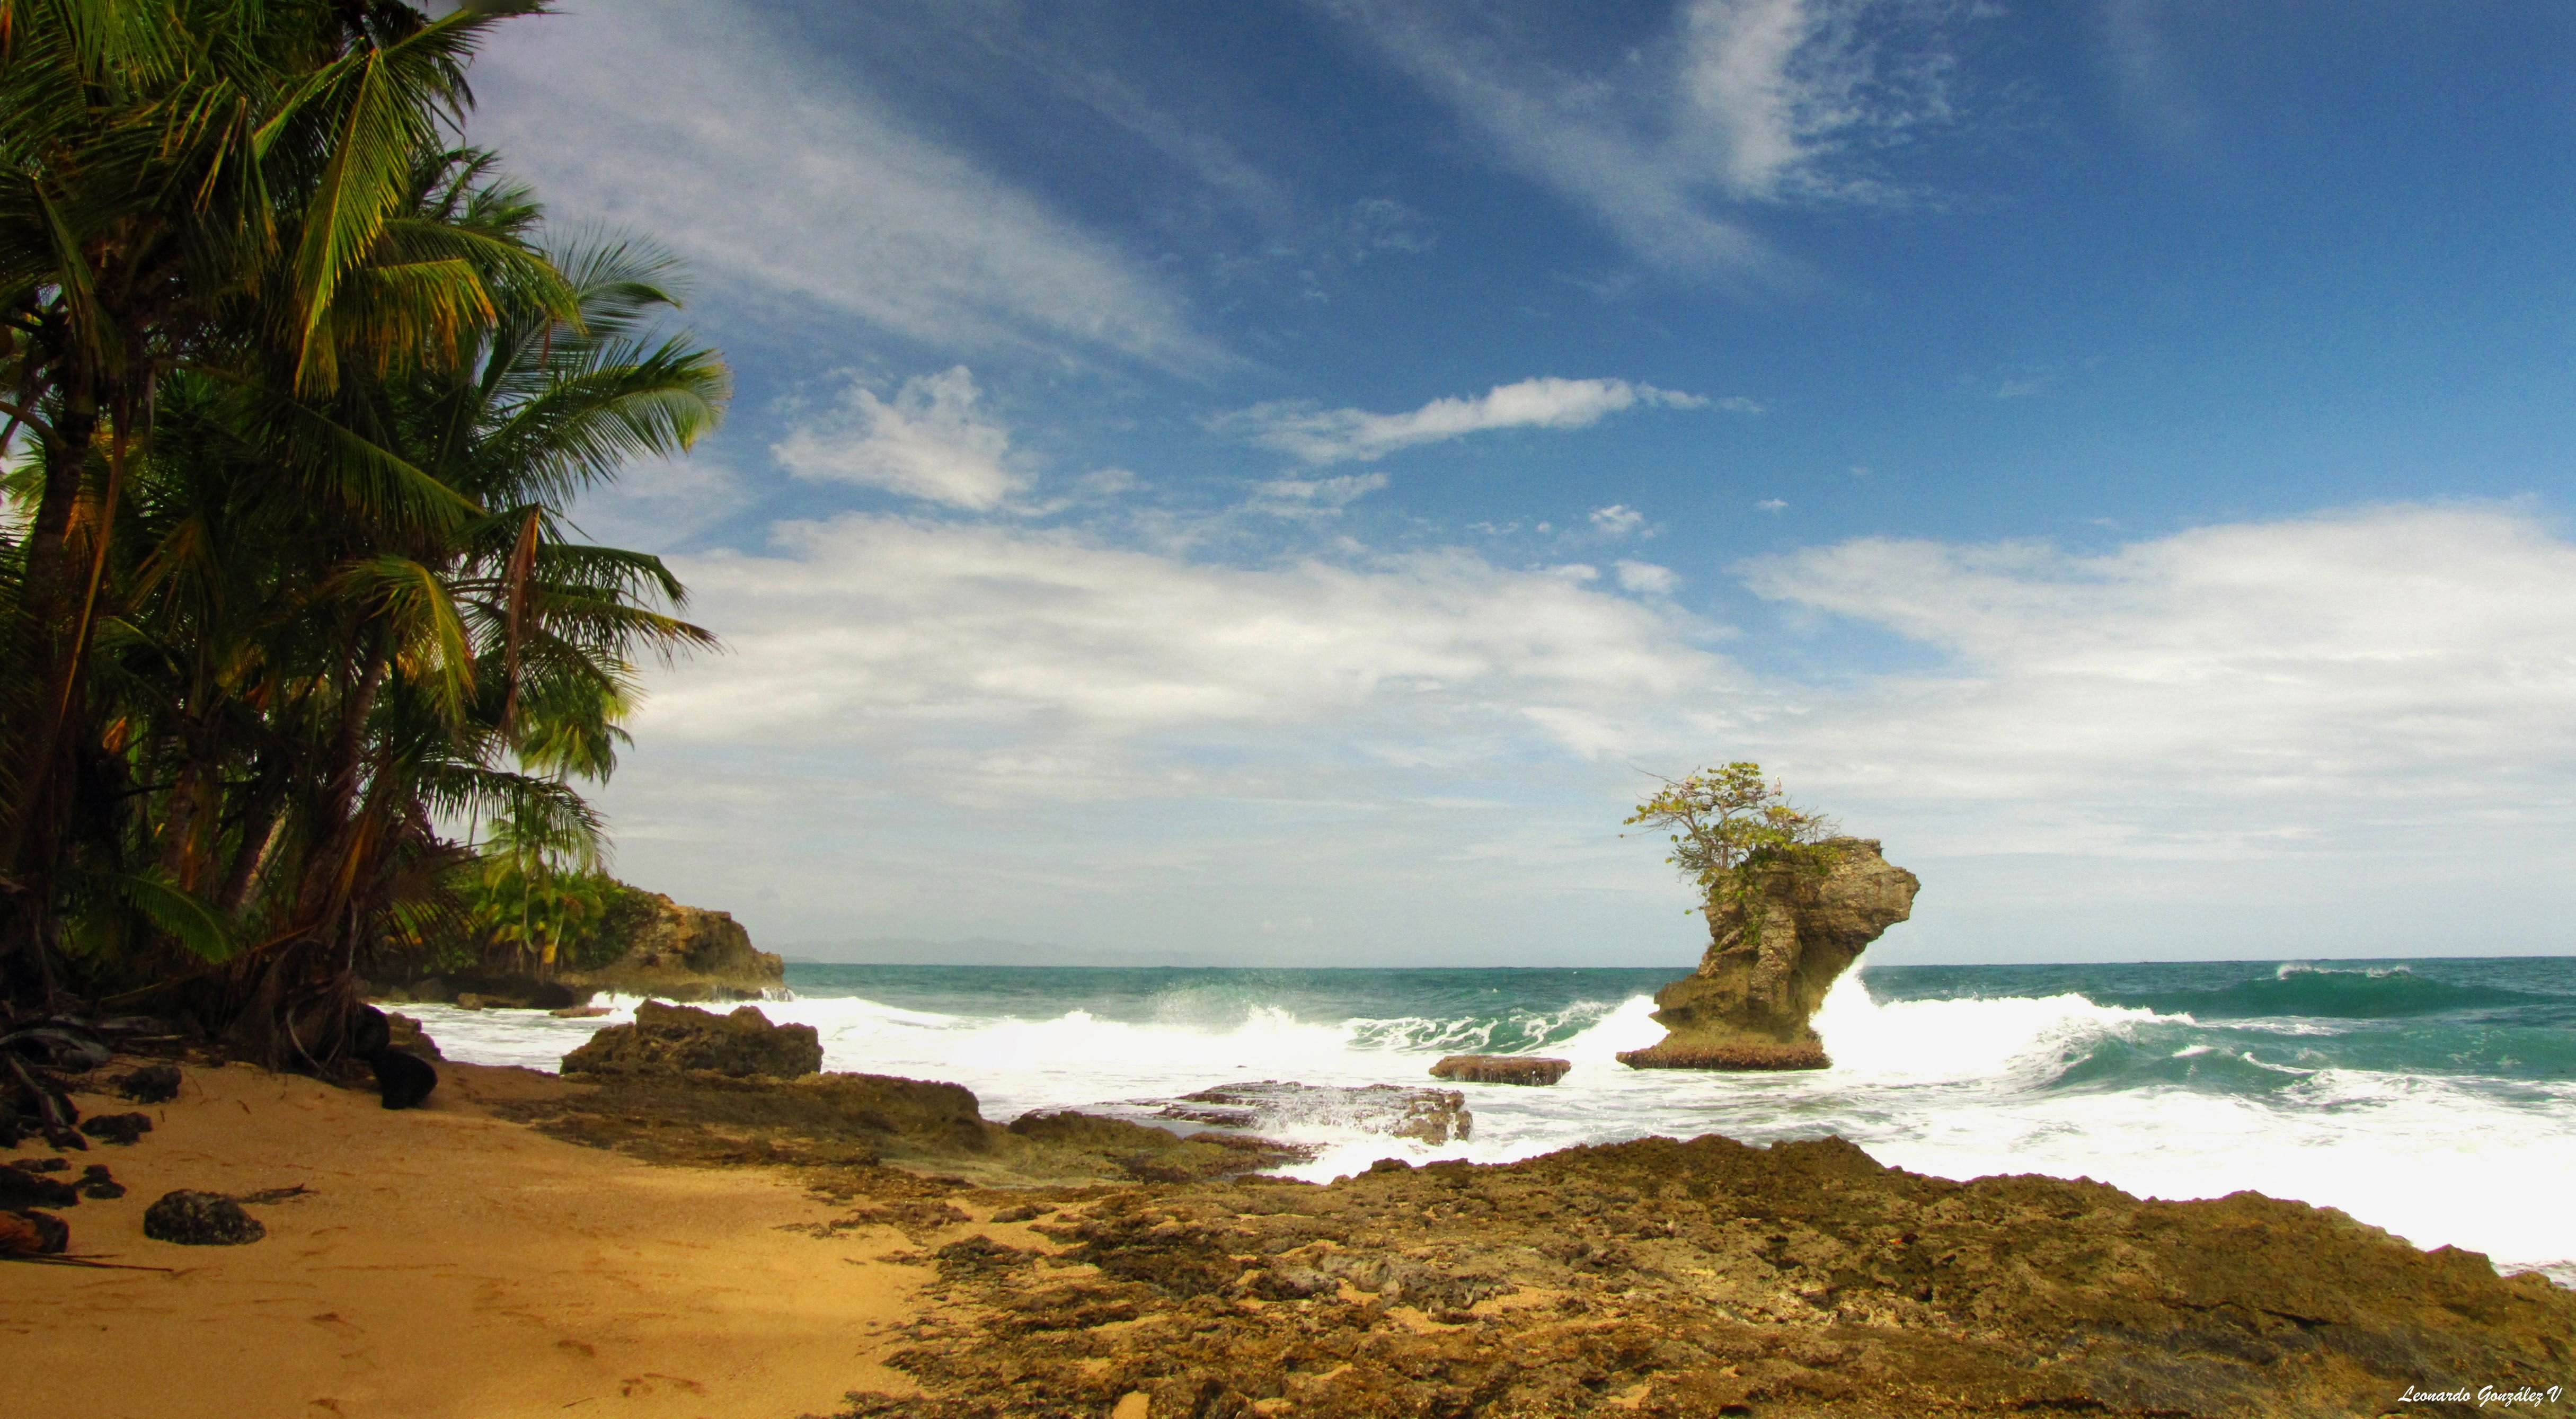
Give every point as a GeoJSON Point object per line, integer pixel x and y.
{"type": "Point", "coordinates": [1266, 482]}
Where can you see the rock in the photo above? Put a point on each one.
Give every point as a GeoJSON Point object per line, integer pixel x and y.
{"type": "Point", "coordinates": [40, 1165]}
{"type": "Point", "coordinates": [20, 1187]}
{"type": "Point", "coordinates": [201, 1219]}
{"type": "Point", "coordinates": [581, 1012]}
{"type": "Point", "coordinates": [117, 1128]}
{"type": "Point", "coordinates": [672, 1039]}
{"type": "Point", "coordinates": [1156, 1154]}
{"type": "Point", "coordinates": [404, 1033]}
{"type": "Point", "coordinates": [403, 1079]}
{"type": "Point", "coordinates": [1768, 968]}
{"type": "Point", "coordinates": [1270, 1105]}
{"type": "Point", "coordinates": [468, 1000]}
{"type": "Point", "coordinates": [685, 952]}
{"type": "Point", "coordinates": [32, 1233]}
{"type": "Point", "coordinates": [97, 1186]}
{"type": "Point", "coordinates": [1501, 1069]}
{"type": "Point", "coordinates": [151, 1084]}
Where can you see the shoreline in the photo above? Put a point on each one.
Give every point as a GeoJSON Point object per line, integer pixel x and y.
{"type": "Point", "coordinates": [711, 1254]}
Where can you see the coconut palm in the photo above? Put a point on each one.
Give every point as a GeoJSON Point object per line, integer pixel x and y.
{"type": "Point", "coordinates": [195, 186]}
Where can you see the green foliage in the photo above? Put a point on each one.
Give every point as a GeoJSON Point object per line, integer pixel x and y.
{"type": "Point", "coordinates": [1730, 828]}
{"type": "Point", "coordinates": [293, 403]}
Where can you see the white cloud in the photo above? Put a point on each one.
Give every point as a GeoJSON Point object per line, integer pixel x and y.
{"type": "Point", "coordinates": [1617, 520]}
{"type": "Point", "coordinates": [1647, 579]}
{"type": "Point", "coordinates": [1773, 504]}
{"type": "Point", "coordinates": [931, 441]}
{"type": "Point", "coordinates": [1748, 101]}
{"type": "Point", "coordinates": [732, 145]}
{"type": "Point", "coordinates": [2361, 681]}
{"type": "Point", "coordinates": [1356, 435]}
{"type": "Point", "coordinates": [919, 636]}
{"type": "Point", "coordinates": [1307, 498]}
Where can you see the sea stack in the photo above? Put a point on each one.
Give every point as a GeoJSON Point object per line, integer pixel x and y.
{"type": "Point", "coordinates": [1773, 953]}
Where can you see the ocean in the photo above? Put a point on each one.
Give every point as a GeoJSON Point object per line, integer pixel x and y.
{"type": "Point", "coordinates": [2433, 1098]}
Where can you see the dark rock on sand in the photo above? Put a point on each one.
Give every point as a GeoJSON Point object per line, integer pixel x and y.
{"type": "Point", "coordinates": [1272, 1105]}
{"type": "Point", "coordinates": [96, 1184]}
{"type": "Point", "coordinates": [22, 1187]}
{"type": "Point", "coordinates": [1771, 958]}
{"type": "Point", "coordinates": [151, 1084]}
{"type": "Point", "coordinates": [201, 1219]}
{"type": "Point", "coordinates": [1501, 1069]}
{"type": "Point", "coordinates": [117, 1128]}
{"type": "Point", "coordinates": [40, 1165]}
{"type": "Point", "coordinates": [672, 1039]}
{"type": "Point", "coordinates": [31, 1233]}
{"type": "Point", "coordinates": [403, 1080]}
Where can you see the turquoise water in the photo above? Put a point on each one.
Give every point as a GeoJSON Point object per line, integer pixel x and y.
{"type": "Point", "coordinates": [2435, 1098]}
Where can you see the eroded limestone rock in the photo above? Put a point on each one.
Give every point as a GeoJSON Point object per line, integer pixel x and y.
{"type": "Point", "coordinates": [674, 1039]}
{"type": "Point", "coordinates": [1501, 1069]}
{"type": "Point", "coordinates": [1770, 961]}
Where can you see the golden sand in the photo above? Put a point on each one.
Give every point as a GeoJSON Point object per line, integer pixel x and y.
{"type": "Point", "coordinates": [445, 1263]}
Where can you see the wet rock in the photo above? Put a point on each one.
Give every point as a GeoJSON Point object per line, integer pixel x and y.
{"type": "Point", "coordinates": [580, 1012]}
{"type": "Point", "coordinates": [123, 1129]}
{"type": "Point", "coordinates": [33, 1233]}
{"type": "Point", "coordinates": [1501, 1069]}
{"type": "Point", "coordinates": [1272, 1105]}
{"type": "Point", "coordinates": [96, 1185]}
{"type": "Point", "coordinates": [20, 1187]}
{"type": "Point", "coordinates": [1772, 956]}
{"type": "Point", "coordinates": [672, 1039]}
{"type": "Point", "coordinates": [404, 1033]}
{"type": "Point", "coordinates": [1156, 1154]}
{"type": "Point", "coordinates": [201, 1219]}
{"type": "Point", "coordinates": [151, 1084]}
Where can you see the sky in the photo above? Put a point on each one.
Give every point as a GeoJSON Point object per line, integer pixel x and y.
{"type": "Point", "coordinates": [1274, 483]}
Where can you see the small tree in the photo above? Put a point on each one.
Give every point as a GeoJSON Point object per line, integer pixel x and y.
{"type": "Point", "coordinates": [1722, 822]}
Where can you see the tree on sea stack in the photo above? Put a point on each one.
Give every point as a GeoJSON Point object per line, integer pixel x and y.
{"type": "Point", "coordinates": [1790, 905]}
{"type": "Point", "coordinates": [1730, 828]}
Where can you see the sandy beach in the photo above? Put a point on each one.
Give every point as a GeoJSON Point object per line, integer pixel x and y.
{"type": "Point", "coordinates": [444, 1263]}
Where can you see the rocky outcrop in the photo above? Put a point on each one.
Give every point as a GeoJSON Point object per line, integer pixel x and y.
{"type": "Point", "coordinates": [1710, 1278]}
{"type": "Point", "coordinates": [1501, 1069]}
{"type": "Point", "coordinates": [1273, 1105]}
{"type": "Point", "coordinates": [1773, 953]}
{"type": "Point", "coordinates": [676, 1039]}
{"type": "Point", "coordinates": [686, 953]}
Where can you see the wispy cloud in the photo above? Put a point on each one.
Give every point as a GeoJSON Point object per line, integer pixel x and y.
{"type": "Point", "coordinates": [695, 123]}
{"type": "Point", "coordinates": [1617, 520]}
{"type": "Point", "coordinates": [932, 441]}
{"type": "Point", "coordinates": [1356, 435]}
{"type": "Point", "coordinates": [1744, 102]}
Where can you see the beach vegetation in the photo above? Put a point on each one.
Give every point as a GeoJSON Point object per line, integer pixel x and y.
{"type": "Point", "coordinates": [299, 392]}
{"type": "Point", "coordinates": [1730, 828]}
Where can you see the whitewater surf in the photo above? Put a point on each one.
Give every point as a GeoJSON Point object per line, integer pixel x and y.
{"type": "Point", "coordinates": [2436, 1099]}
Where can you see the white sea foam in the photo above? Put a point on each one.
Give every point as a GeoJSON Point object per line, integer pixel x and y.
{"type": "Point", "coordinates": [1954, 1088]}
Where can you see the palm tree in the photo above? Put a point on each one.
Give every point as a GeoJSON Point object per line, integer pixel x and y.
{"type": "Point", "coordinates": [192, 185]}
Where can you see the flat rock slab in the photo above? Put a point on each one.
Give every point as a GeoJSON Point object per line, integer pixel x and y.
{"type": "Point", "coordinates": [1270, 1107]}
{"type": "Point", "coordinates": [1501, 1069]}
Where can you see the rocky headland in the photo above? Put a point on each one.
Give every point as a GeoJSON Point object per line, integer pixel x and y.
{"type": "Point", "coordinates": [1779, 937]}
{"type": "Point", "coordinates": [657, 947]}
